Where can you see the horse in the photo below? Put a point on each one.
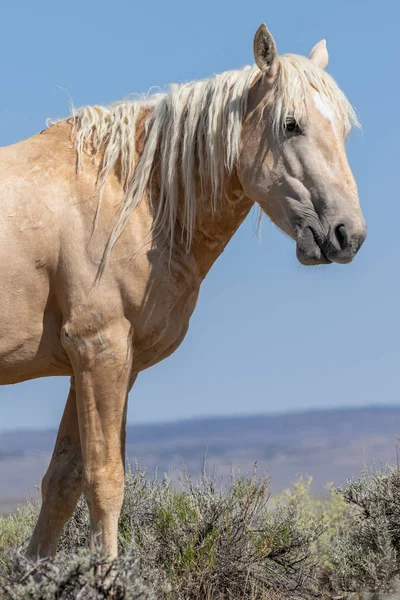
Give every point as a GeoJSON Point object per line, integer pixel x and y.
{"type": "Point", "coordinates": [110, 220]}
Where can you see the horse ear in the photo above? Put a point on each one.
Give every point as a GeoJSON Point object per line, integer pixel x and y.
{"type": "Point", "coordinates": [319, 55]}
{"type": "Point", "coordinates": [265, 53]}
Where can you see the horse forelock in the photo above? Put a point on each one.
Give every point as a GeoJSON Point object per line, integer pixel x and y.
{"type": "Point", "coordinates": [298, 79]}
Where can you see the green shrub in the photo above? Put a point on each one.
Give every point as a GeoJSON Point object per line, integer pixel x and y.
{"type": "Point", "coordinates": [200, 542]}
{"type": "Point", "coordinates": [15, 530]}
{"type": "Point", "coordinates": [365, 551]}
{"type": "Point", "coordinates": [209, 542]}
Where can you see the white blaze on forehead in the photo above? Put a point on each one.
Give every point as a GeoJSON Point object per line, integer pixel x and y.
{"type": "Point", "coordinates": [324, 108]}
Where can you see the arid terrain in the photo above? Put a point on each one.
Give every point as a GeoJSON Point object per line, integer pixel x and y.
{"type": "Point", "coordinates": [330, 445]}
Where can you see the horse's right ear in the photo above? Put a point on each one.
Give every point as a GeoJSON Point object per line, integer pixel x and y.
{"type": "Point", "coordinates": [265, 53]}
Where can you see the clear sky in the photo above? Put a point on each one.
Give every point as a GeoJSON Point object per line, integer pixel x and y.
{"type": "Point", "coordinates": [268, 335]}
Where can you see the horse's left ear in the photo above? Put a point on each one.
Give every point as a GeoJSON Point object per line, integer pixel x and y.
{"type": "Point", "coordinates": [265, 53]}
{"type": "Point", "coordinates": [319, 55]}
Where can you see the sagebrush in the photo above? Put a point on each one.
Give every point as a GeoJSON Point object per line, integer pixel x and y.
{"type": "Point", "coordinates": [214, 542]}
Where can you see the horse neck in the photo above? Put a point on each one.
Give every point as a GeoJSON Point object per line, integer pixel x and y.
{"type": "Point", "coordinates": [215, 227]}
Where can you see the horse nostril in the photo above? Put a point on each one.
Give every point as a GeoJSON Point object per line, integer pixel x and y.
{"type": "Point", "coordinates": [342, 236]}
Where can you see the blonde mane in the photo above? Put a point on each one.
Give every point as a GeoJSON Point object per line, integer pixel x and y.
{"type": "Point", "coordinates": [192, 135]}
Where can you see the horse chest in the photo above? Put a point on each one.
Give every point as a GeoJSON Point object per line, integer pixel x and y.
{"type": "Point", "coordinates": [160, 329]}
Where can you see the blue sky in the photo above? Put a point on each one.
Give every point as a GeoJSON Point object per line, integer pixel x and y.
{"type": "Point", "coordinates": [268, 335]}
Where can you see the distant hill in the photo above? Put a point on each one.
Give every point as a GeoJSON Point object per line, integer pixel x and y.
{"type": "Point", "coordinates": [330, 445]}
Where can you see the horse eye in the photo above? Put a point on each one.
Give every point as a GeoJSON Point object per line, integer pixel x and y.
{"type": "Point", "coordinates": [292, 126]}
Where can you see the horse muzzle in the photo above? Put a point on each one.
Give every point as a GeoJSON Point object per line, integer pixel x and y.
{"type": "Point", "coordinates": [340, 245]}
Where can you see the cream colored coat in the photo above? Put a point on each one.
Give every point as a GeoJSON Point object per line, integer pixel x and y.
{"type": "Point", "coordinates": [58, 317]}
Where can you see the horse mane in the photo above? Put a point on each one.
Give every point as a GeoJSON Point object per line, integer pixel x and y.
{"type": "Point", "coordinates": [192, 135]}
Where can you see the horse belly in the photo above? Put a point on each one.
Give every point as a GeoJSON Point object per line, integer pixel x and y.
{"type": "Point", "coordinates": [30, 323]}
{"type": "Point", "coordinates": [30, 345]}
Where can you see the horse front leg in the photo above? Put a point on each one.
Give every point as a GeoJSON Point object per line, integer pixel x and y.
{"type": "Point", "coordinates": [62, 484]}
{"type": "Point", "coordinates": [102, 366]}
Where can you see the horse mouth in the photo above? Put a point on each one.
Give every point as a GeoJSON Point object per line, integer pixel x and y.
{"type": "Point", "coordinates": [310, 248]}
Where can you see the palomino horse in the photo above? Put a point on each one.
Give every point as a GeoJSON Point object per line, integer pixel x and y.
{"type": "Point", "coordinates": [111, 219]}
